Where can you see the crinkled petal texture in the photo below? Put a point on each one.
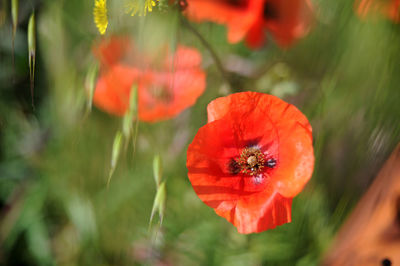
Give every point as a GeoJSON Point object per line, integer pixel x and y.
{"type": "Point", "coordinates": [388, 8]}
{"type": "Point", "coordinates": [163, 91]}
{"type": "Point", "coordinates": [237, 15]}
{"type": "Point", "coordinates": [252, 203]}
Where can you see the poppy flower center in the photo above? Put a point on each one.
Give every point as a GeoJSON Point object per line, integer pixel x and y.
{"type": "Point", "coordinates": [251, 161]}
{"type": "Point", "coordinates": [161, 93]}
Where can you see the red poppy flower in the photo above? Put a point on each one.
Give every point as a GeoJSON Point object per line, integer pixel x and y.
{"type": "Point", "coordinates": [388, 8]}
{"type": "Point", "coordinates": [163, 91]}
{"type": "Point", "coordinates": [286, 20]}
{"type": "Point", "coordinates": [110, 51]}
{"type": "Point", "coordinates": [251, 158]}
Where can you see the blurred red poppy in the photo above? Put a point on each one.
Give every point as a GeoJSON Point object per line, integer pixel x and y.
{"type": "Point", "coordinates": [251, 158]}
{"type": "Point", "coordinates": [110, 51]}
{"type": "Point", "coordinates": [164, 90]}
{"type": "Point", "coordinates": [387, 8]}
{"type": "Point", "coordinates": [286, 20]}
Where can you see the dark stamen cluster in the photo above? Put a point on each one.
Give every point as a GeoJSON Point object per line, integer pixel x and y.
{"type": "Point", "coordinates": [251, 161]}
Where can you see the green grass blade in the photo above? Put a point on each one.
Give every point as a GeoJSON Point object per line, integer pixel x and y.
{"type": "Point", "coordinates": [32, 51]}
{"type": "Point", "coordinates": [157, 169]}
{"type": "Point", "coordinates": [115, 154]}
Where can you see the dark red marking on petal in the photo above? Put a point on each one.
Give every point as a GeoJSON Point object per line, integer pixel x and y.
{"type": "Point", "coordinates": [237, 3]}
{"type": "Point", "coordinates": [270, 11]}
{"type": "Point", "coordinates": [233, 167]}
{"type": "Point", "coordinates": [270, 163]}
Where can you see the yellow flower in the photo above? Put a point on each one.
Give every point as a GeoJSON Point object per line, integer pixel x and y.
{"type": "Point", "coordinates": [100, 15]}
{"type": "Point", "coordinates": [140, 7]}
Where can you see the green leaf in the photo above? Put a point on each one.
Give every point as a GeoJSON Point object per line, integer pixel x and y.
{"type": "Point", "coordinates": [90, 82]}
{"type": "Point", "coordinates": [32, 50]}
{"type": "Point", "coordinates": [157, 169]}
{"type": "Point", "coordinates": [39, 242]}
{"type": "Point", "coordinates": [131, 114]}
{"type": "Point", "coordinates": [161, 199]}
{"type": "Point", "coordinates": [115, 154]}
{"type": "Point", "coordinates": [3, 12]}
{"type": "Point", "coordinates": [30, 207]}
{"type": "Point", "coordinates": [159, 203]}
{"type": "Point", "coordinates": [81, 213]}
{"type": "Point", "coordinates": [14, 15]}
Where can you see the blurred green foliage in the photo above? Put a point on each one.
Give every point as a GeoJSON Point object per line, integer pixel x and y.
{"type": "Point", "coordinates": [55, 161]}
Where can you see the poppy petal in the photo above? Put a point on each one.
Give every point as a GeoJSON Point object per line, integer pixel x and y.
{"type": "Point", "coordinates": [291, 21]}
{"type": "Point", "coordinates": [250, 205]}
{"type": "Point", "coordinates": [163, 91]}
{"type": "Point", "coordinates": [255, 37]}
{"type": "Point", "coordinates": [240, 121]}
{"type": "Point", "coordinates": [238, 19]}
{"type": "Point", "coordinates": [389, 8]}
{"type": "Point", "coordinates": [164, 95]}
{"type": "Point", "coordinates": [275, 210]}
{"type": "Point", "coordinates": [295, 152]}
{"type": "Point", "coordinates": [239, 102]}
{"type": "Point", "coordinates": [113, 89]}
{"type": "Point", "coordinates": [110, 51]}
{"type": "Point", "coordinates": [184, 58]}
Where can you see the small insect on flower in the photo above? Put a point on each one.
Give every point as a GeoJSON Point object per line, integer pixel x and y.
{"type": "Point", "coordinates": [100, 15]}
{"type": "Point", "coordinates": [252, 157]}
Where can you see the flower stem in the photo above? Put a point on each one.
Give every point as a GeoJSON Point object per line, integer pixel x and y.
{"type": "Point", "coordinates": [212, 52]}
